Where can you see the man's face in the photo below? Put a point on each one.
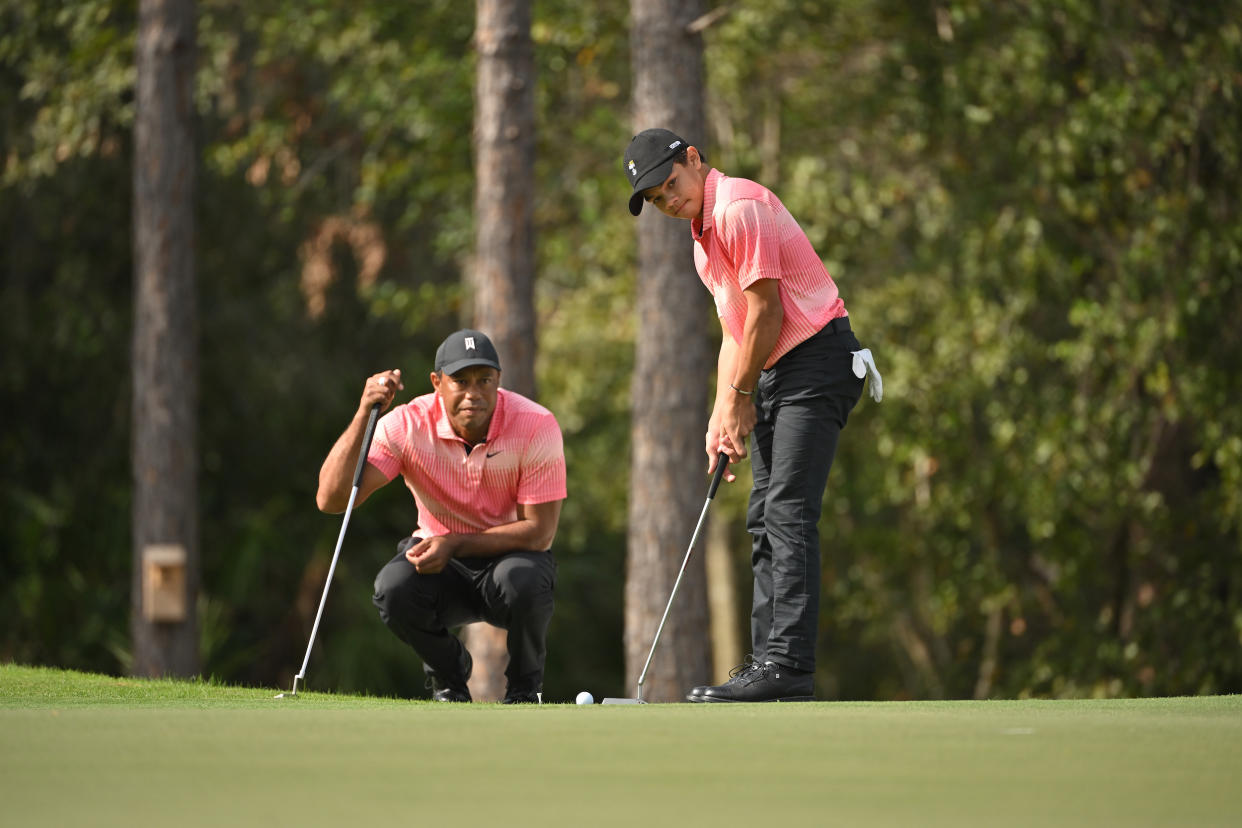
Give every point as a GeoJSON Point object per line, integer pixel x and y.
{"type": "Point", "coordinates": [681, 194]}
{"type": "Point", "coordinates": [469, 399]}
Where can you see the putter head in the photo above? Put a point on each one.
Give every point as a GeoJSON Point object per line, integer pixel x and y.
{"type": "Point", "coordinates": [638, 700]}
{"type": "Point", "coordinates": [292, 692]}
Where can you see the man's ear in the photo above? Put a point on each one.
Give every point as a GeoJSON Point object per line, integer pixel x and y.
{"type": "Point", "coordinates": [435, 381]}
{"type": "Point", "coordinates": [693, 159]}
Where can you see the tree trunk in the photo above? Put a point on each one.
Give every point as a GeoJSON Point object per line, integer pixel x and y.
{"type": "Point", "coordinates": [672, 373]}
{"type": "Point", "coordinates": [165, 359]}
{"type": "Point", "coordinates": [504, 265]}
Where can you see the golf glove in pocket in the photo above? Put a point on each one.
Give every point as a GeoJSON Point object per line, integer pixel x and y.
{"type": "Point", "coordinates": [864, 365]}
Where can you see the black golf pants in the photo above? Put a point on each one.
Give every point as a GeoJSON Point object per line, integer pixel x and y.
{"type": "Point", "coordinates": [802, 404]}
{"type": "Point", "coordinates": [512, 591]}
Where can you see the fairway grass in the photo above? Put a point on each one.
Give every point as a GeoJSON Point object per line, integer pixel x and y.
{"type": "Point", "coordinates": [79, 749]}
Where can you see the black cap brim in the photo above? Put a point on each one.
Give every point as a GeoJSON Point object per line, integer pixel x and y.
{"type": "Point", "coordinates": [462, 364]}
{"type": "Point", "coordinates": [652, 178]}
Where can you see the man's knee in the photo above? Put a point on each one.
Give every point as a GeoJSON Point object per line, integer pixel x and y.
{"type": "Point", "coordinates": [397, 594]}
{"type": "Point", "coordinates": [526, 584]}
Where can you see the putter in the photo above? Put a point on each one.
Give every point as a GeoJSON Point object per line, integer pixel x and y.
{"type": "Point", "coordinates": [362, 461]}
{"type": "Point", "coordinates": [722, 461]}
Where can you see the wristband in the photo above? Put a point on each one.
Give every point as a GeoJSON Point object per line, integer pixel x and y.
{"type": "Point", "coordinates": [740, 391]}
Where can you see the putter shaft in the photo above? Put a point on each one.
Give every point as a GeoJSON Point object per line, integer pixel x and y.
{"type": "Point", "coordinates": [340, 540]}
{"type": "Point", "coordinates": [722, 461]}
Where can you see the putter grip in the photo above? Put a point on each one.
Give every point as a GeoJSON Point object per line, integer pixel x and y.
{"type": "Point", "coordinates": [366, 445]}
{"type": "Point", "coordinates": [722, 462]}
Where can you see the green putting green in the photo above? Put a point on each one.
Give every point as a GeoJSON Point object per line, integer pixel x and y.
{"type": "Point", "coordinates": [80, 749]}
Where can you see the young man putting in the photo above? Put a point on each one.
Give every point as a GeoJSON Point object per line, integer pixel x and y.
{"type": "Point", "coordinates": [486, 468]}
{"type": "Point", "coordinates": [787, 378]}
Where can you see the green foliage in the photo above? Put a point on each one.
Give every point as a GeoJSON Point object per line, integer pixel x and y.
{"type": "Point", "coordinates": [64, 327]}
{"type": "Point", "coordinates": [1030, 210]}
{"type": "Point", "coordinates": [68, 75]}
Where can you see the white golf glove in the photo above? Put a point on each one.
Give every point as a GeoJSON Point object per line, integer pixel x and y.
{"type": "Point", "coordinates": [864, 365]}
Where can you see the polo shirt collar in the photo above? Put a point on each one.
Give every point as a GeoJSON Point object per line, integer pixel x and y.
{"type": "Point", "coordinates": [444, 428]}
{"type": "Point", "coordinates": [698, 227]}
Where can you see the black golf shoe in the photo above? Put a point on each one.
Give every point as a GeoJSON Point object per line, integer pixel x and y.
{"type": "Point", "coordinates": [735, 675]}
{"type": "Point", "coordinates": [767, 682]}
{"type": "Point", "coordinates": [519, 697]}
{"type": "Point", "coordinates": [452, 688]}
{"type": "Point", "coordinates": [451, 694]}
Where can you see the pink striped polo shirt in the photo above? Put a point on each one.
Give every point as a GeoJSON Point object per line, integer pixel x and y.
{"type": "Point", "coordinates": [746, 234]}
{"type": "Point", "coordinates": [522, 461]}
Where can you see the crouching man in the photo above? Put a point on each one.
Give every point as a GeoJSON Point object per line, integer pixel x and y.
{"type": "Point", "coordinates": [486, 467]}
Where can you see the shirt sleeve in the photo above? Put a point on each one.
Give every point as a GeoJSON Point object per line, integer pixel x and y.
{"type": "Point", "coordinates": [543, 465]}
{"type": "Point", "coordinates": [752, 232]}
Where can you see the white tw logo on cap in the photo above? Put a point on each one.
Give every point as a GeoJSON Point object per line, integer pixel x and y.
{"type": "Point", "coordinates": [633, 169]}
{"type": "Point", "coordinates": [470, 343]}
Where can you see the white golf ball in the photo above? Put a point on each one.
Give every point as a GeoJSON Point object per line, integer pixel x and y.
{"type": "Point", "coordinates": [585, 698]}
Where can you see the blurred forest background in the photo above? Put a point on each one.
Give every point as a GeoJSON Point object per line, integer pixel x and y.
{"type": "Point", "coordinates": [1030, 207]}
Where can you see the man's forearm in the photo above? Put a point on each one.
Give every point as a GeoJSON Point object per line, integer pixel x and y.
{"type": "Point", "coordinates": [735, 414]}
{"type": "Point", "coordinates": [497, 540]}
{"type": "Point", "coordinates": [534, 530]}
{"type": "Point", "coordinates": [336, 474]}
{"type": "Point", "coordinates": [762, 329]}
{"type": "Point", "coordinates": [725, 367]}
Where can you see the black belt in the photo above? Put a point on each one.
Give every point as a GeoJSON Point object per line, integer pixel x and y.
{"type": "Point", "coordinates": [839, 325]}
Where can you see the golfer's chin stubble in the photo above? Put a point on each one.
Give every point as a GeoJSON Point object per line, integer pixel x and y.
{"type": "Point", "coordinates": [472, 422]}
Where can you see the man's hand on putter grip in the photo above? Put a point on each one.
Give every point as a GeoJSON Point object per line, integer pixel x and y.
{"type": "Point", "coordinates": [382, 388]}
{"type": "Point", "coordinates": [433, 554]}
{"type": "Point", "coordinates": [737, 421]}
{"type": "Point", "coordinates": [715, 445]}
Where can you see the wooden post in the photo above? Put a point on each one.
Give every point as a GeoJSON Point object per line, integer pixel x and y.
{"type": "Point", "coordinates": [163, 583]}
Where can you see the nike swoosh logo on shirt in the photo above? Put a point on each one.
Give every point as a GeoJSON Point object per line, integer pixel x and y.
{"type": "Point", "coordinates": [493, 453]}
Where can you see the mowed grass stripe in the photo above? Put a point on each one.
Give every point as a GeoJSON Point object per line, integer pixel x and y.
{"type": "Point", "coordinates": [156, 753]}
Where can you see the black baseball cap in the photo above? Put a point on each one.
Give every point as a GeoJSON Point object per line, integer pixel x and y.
{"type": "Point", "coordinates": [465, 348]}
{"type": "Point", "coordinates": [649, 160]}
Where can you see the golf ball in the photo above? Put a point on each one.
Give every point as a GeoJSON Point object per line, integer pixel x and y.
{"type": "Point", "coordinates": [585, 698]}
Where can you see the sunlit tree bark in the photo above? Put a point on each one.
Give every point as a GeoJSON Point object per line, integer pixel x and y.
{"type": "Point", "coordinates": [671, 377]}
{"type": "Point", "coordinates": [504, 264]}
